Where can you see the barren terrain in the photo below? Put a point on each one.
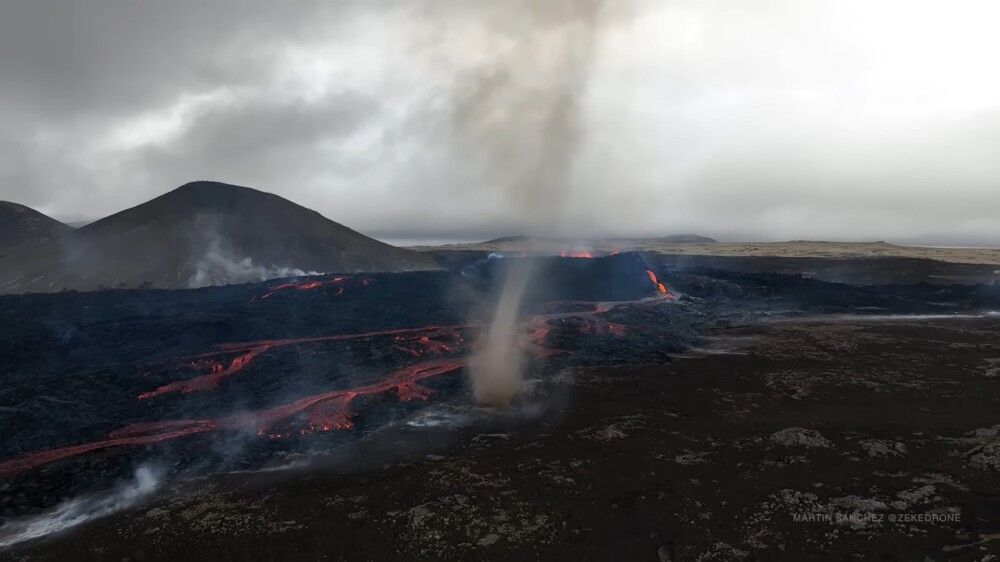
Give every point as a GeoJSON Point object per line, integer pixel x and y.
{"type": "Point", "coordinates": [806, 439]}
{"type": "Point", "coordinates": [795, 249]}
{"type": "Point", "coordinates": [742, 411]}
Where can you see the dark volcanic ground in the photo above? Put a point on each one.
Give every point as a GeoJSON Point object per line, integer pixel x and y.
{"type": "Point", "coordinates": [614, 451]}
{"type": "Point", "coordinates": [805, 443]}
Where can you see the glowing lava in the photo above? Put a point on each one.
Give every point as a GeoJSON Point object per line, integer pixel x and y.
{"type": "Point", "coordinates": [248, 351]}
{"type": "Point", "coordinates": [326, 412]}
{"type": "Point", "coordinates": [209, 381]}
{"type": "Point", "coordinates": [534, 342]}
{"type": "Point", "coordinates": [31, 460]}
{"type": "Point", "coordinates": [330, 410]}
{"type": "Point", "coordinates": [309, 285]}
{"type": "Point", "coordinates": [418, 343]}
{"type": "Point", "coordinates": [659, 286]}
{"type": "Point", "coordinates": [419, 346]}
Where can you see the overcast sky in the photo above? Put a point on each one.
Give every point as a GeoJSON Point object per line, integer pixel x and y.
{"type": "Point", "coordinates": [740, 119]}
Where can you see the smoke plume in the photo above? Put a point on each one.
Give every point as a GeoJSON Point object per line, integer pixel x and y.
{"type": "Point", "coordinates": [220, 264]}
{"type": "Point", "coordinates": [79, 511]}
{"type": "Point", "coordinates": [220, 267]}
{"type": "Point", "coordinates": [518, 118]}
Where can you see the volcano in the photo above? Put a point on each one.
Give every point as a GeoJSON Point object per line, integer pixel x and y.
{"type": "Point", "coordinates": [20, 225]}
{"type": "Point", "coordinates": [201, 234]}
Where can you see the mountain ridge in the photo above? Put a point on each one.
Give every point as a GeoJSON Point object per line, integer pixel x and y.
{"type": "Point", "coordinates": [202, 233]}
{"type": "Point", "coordinates": [20, 224]}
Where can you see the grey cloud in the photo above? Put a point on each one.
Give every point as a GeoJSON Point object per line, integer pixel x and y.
{"type": "Point", "coordinates": [73, 58]}
{"type": "Point", "coordinates": [263, 141]}
{"type": "Point", "coordinates": [794, 119]}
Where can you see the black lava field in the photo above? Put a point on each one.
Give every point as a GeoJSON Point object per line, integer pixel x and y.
{"type": "Point", "coordinates": [245, 377]}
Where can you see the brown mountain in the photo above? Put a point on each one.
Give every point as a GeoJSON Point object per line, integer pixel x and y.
{"type": "Point", "coordinates": [20, 225]}
{"type": "Point", "coordinates": [203, 233]}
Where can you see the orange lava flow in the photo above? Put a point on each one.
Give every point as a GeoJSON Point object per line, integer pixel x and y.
{"type": "Point", "coordinates": [659, 286]}
{"type": "Point", "coordinates": [208, 382]}
{"type": "Point", "coordinates": [566, 254]}
{"type": "Point", "coordinates": [305, 286]}
{"type": "Point", "coordinates": [248, 351]}
{"type": "Point", "coordinates": [419, 346]}
{"type": "Point", "coordinates": [31, 460]}
{"type": "Point", "coordinates": [537, 332]}
{"type": "Point", "coordinates": [326, 412]}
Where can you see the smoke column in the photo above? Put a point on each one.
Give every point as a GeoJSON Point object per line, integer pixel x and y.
{"type": "Point", "coordinates": [521, 116]}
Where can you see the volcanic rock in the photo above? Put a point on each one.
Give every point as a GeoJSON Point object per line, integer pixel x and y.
{"type": "Point", "coordinates": [799, 437]}
{"type": "Point", "coordinates": [876, 448]}
{"type": "Point", "coordinates": [203, 233]}
{"type": "Point", "coordinates": [987, 432]}
{"type": "Point", "coordinates": [984, 457]}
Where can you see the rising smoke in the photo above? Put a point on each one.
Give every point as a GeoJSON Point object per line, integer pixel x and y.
{"type": "Point", "coordinates": [518, 117]}
{"type": "Point", "coordinates": [79, 511]}
{"type": "Point", "coordinates": [221, 267]}
{"type": "Point", "coordinates": [219, 264]}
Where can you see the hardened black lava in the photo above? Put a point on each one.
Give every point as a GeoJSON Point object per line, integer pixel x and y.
{"type": "Point", "coordinates": [240, 377]}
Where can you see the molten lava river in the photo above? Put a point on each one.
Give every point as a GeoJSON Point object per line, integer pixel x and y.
{"type": "Point", "coordinates": [110, 380]}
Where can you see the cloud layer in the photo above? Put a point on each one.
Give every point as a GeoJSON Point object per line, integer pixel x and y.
{"type": "Point", "coordinates": [839, 119]}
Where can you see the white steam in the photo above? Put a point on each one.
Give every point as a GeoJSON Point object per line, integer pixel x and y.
{"type": "Point", "coordinates": [221, 267]}
{"type": "Point", "coordinates": [82, 510]}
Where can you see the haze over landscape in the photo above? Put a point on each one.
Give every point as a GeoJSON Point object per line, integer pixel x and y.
{"type": "Point", "coordinates": [836, 120]}
{"type": "Point", "coordinates": [515, 280]}
{"type": "Point", "coordinates": [200, 234]}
